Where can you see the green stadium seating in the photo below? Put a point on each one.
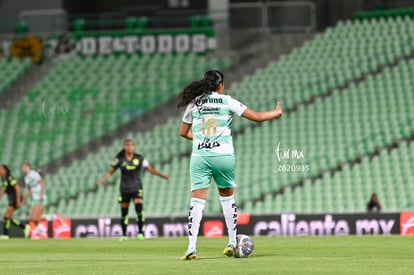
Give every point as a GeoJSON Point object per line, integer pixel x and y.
{"type": "Point", "coordinates": [83, 98]}
{"type": "Point", "coordinates": [389, 175]}
{"type": "Point", "coordinates": [11, 69]}
{"type": "Point", "coordinates": [340, 54]}
{"type": "Point", "coordinates": [332, 131]}
{"type": "Point", "coordinates": [339, 126]}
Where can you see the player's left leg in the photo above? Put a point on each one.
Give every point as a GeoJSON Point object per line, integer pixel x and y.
{"type": "Point", "coordinates": [195, 215]}
{"type": "Point", "coordinates": [200, 177]}
{"type": "Point", "coordinates": [139, 209]}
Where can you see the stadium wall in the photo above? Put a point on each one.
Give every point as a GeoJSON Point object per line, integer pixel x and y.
{"type": "Point", "coordinates": [253, 225]}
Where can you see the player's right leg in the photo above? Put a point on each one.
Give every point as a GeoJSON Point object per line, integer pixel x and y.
{"type": "Point", "coordinates": [7, 222]}
{"type": "Point", "coordinates": [230, 215]}
{"type": "Point", "coordinates": [139, 206]}
{"type": "Point", "coordinates": [31, 215]}
{"type": "Point", "coordinates": [37, 212]}
{"type": "Point", "coordinates": [33, 219]}
{"type": "Point", "coordinates": [123, 200]}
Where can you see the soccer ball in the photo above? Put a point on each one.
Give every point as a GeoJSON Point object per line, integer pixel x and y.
{"type": "Point", "coordinates": [244, 247]}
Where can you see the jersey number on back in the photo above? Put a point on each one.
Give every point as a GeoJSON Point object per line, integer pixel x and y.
{"type": "Point", "coordinates": [209, 127]}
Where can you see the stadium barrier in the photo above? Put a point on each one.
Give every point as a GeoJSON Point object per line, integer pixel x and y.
{"type": "Point", "coordinates": [253, 225]}
{"type": "Point", "coordinates": [141, 42]}
{"type": "Point", "coordinates": [145, 42]}
{"type": "Point", "coordinates": [384, 13]}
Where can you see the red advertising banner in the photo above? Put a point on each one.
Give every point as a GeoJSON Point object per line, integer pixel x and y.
{"type": "Point", "coordinates": [40, 231]}
{"type": "Point", "coordinates": [62, 228]}
{"type": "Point", "coordinates": [243, 219]}
{"type": "Point", "coordinates": [213, 228]}
{"type": "Point", "coordinates": [407, 223]}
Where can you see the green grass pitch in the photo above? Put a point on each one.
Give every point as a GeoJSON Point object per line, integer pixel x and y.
{"type": "Point", "coordinates": [272, 255]}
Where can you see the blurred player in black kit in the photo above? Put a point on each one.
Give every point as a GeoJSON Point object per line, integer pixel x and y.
{"type": "Point", "coordinates": [131, 165]}
{"type": "Point", "coordinates": [14, 195]}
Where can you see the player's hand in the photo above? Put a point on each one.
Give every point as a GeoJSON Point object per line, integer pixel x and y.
{"type": "Point", "coordinates": [279, 109]}
{"type": "Point", "coordinates": [165, 177]}
{"type": "Point", "coordinates": [99, 184]}
{"type": "Point", "coordinates": [18, 204]}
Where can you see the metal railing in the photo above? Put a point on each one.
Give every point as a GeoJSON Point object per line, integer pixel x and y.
{"type": "Point", "coordinates": [45, 20]}
{"type": "Point", "coordinates": [57, 20]}
{"type": "Point", "coordinates": [274, 16]}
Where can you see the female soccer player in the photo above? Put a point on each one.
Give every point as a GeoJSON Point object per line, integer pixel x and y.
{"type": "Point", "coordinates": [36, 189]}
{"type": "Point", "coordinates": [207, 122]}
{"type": "Point", "coordinates": [131, 165]}
{"type": "Point", "coordinates": [12, 189]}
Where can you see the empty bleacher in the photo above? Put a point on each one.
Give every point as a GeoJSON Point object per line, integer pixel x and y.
{"type": "Point", "coordinates": [83, 98]}
{"type": "Point", "coordinates": [347, 94]}
{"type": "Point", "coordinates": [388, 174]}
{"type": "Point", "coordinates": [349, 123]}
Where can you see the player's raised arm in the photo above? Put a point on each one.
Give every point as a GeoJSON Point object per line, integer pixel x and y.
{"type": "Point", "coordinates": [27, 195]}
{"type": "Point", "coordinates": [106, 176]}
{"type": "Point", "coordinates": [154, 171]}
{"type": "Point", "coordinates": [263, 116]}
{"type": "Point", "coordinates": [185, 131]}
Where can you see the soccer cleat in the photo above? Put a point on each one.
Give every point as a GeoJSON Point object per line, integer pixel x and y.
{"type": "Point", "coordinates": [229, 250]}
{"type": "Point", "coordinates": [190, 254]}
{"type": "Point", "coordinates": [4, 237]}
{"type": "Point", "coordinates": [26, 231]}
{"type": "Point", "coordinates": [140, 237]}
{"type": "Point", "coordinates": [123, 239]}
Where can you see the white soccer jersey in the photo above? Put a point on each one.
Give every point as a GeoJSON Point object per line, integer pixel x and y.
{"type": "Point", "coordinates": [32, 180]}
{"type": "Point", "coordinates": [211, 118]}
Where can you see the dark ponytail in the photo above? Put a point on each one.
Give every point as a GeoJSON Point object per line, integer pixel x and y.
{"type": "Point", "coordinates": [7, 170]}
{"type": "Point", "coordinates": [207, 85]}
